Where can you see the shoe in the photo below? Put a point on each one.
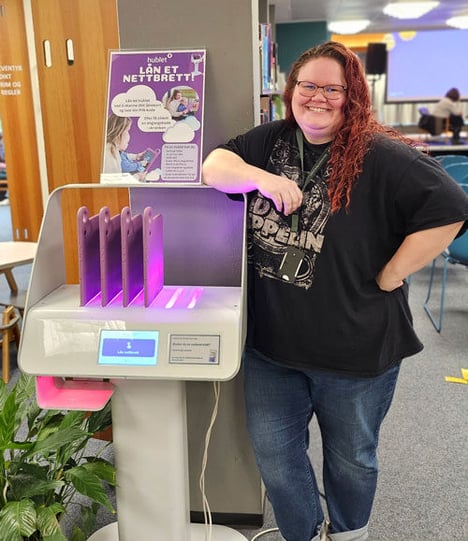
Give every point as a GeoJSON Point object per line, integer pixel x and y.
{"type": "Point", "coordinates": [5, 202]}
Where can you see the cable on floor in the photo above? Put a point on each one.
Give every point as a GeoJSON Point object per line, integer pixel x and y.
{"type": "Point", "coordinates": [265, 532]}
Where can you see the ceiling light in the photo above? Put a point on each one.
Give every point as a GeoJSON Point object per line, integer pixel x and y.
{"type": "Point", "coordinates": [348, 27]}
{"type": "Point", "coordinates": [459, 22]}
{"type": "Point", "coordinates": [409, 10]}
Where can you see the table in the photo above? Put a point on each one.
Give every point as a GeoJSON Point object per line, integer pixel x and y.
{"type": "Point", "coordinates": [441, 144]}
{"type": "Point", "coordinates": [14, 254]}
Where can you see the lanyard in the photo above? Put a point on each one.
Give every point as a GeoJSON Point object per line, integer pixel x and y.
{"type": "Point", "coordinates": [318, 164]}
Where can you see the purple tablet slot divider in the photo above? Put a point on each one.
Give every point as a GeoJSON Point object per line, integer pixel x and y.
{"type": "Point", "coordinates": [153, 255]}
{"type": "Point", "coordinates": [110, 247]}
{"type": "Point", "coordinates": [89, 271]}
{"type": "Point", "coordinates": [132, 256]}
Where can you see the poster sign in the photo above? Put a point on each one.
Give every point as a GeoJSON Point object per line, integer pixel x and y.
{"type": "Point", "coordinates": [10, 80]}
{"type": "Point", "coordinates": [154, 117]}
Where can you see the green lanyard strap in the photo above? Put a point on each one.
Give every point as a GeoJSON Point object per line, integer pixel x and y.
{"type": "Point", "coordinates": [318, 164]}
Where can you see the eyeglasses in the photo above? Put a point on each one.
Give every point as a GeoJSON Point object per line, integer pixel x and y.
{"type": "Point", "coordinates": [331, 92]}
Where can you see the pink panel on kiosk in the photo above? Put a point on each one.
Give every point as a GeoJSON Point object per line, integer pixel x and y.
{"type": "Point", "coordinates": [56, 393]}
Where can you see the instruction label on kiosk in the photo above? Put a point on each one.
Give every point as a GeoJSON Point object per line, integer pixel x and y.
{"type": "Point", "coordinates": [135, 348]}
{"type": "Point", "coordinates": [194, 349]}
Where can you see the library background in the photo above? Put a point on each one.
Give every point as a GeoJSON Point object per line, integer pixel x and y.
{"type": "Point", "coordinates": [53, 85]}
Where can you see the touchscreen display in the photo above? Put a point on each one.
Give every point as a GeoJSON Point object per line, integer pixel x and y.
{"type": "Point", "coordinates": [129, 348]}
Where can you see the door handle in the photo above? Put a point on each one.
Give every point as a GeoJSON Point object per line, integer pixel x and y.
{"type": "Point", "coordinates": [70, 52]}
{"type": "Point", "coordinates": [47, 53]}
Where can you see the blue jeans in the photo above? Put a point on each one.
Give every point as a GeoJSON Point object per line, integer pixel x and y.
{"type": "Point", "coordinates": [280, 403]}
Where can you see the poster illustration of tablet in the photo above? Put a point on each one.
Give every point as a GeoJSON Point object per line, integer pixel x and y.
{"type": "Point", "coordinates": [154, 117]}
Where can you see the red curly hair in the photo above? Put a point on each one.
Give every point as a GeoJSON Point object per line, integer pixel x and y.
{"type": "Point", "coordinates": [354, 139]}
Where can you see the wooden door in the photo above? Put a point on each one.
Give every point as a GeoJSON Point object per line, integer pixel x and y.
{"type": "Point", "coordinates": [73, 39]}
{"type": "Point", "coordinates": [18, 124]}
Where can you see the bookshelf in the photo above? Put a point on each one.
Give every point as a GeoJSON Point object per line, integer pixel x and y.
{"type": "Point", "coordinates": [271, 105]}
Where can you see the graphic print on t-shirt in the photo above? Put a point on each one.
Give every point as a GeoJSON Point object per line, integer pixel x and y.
{"type": "Point", "coordinates": [271, 233]}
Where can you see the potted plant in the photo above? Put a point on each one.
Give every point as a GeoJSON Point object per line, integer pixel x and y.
{"type": "Point", "coordinates": [44, 467]}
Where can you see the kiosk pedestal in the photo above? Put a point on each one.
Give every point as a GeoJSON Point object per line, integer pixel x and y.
{"type": "Point", "coordinates": [152, 491]}
{"type": "Point", "coordinates": [197, 533]}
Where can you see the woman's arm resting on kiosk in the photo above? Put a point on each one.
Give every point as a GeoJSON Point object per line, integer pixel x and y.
{"type": "Point", "coordinates": [416, 251]}
{"type": "Point", "coordinates": [229, 173]}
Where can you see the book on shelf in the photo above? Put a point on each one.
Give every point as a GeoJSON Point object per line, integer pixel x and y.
{"type": "Point", "coordinates": [268, 59]}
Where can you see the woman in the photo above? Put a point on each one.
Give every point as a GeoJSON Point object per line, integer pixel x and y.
{"type": "Point", "coordinates": [450, 104]}
{"type": "Point", "coordinates": [340, 211]}
{"type": "Point", "coordinates": [450, 107]}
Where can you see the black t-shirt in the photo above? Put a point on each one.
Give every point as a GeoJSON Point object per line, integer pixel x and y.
{"type": "Point", "coordinates": [333, 316]}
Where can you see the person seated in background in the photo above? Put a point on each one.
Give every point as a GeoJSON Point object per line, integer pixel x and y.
{"type": "Point", "coordinates": [450, 107]}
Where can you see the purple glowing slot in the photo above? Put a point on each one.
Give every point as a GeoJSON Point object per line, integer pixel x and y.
{"type": "Point", "coordinates": [132, 255]}
{"type": "Point", "coordinates": [110, 247]}
{"type": "Point", "coordinates": [88, 255]}
{"type": "Point", "coordinates": [153, 255]}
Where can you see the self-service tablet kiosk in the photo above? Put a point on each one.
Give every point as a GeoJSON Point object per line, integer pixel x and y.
{"type": "Point", "coordinates": [140, 343]}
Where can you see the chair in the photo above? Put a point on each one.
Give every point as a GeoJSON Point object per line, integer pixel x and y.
{"type": "Point", "coordinates": [455, 254]}
{"type": "Point", "coordinates": [449, 159]}
{"type": "Point", "coordinates": [432, 124]}
{"type": "Point", "coordinates": [10, 331]}
{"type": "Point", "coordinates": [463, 182]}
{"type": "Point", "coordinates": [458, 171]}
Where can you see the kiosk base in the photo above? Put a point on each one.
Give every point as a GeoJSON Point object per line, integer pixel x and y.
{"type": "Point", "coordinates": [197, 533]}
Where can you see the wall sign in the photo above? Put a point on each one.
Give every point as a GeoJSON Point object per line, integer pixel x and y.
{"type": "Point", "coordinates": [10, 80]}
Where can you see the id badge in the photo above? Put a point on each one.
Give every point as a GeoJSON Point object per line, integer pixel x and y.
{"type": "Point", "coordinates": [291, 264]}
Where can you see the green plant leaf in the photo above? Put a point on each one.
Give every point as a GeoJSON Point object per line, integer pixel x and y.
{"type": "Point", "coordinates": [77, 534]}
{"type": "Point", "coordinates": [43, 465]}
{"type": "Point", "coordinates": [89, 485]}
{"type": "Point", "coordinates": [25, 387]}
{"type": "Point", "coordinates": [88, 518]}
{"type": "Point", "coordinates": [100, 420]}
{"type": "Point", "coordinates": [88, 522]}
{"type": "Point", "coordinates": [55, 537]}
{"type": "Point", "coordinates": [33, 413]}
{"type": "Point", "coordinates": [28, 487]}
{"type": "Point", "coordinates": [48, 423]}
{"type": "Point", "coordinates": [7, 421]}
{"type": "Point", "coordinates": [30, 470]}
{"type": "Point", "coordinates": [25, 391]}
{"type": "Point", "coordinates": [17, 519]}
{"type": "Point", "coordinates": [61, 438]}
{"type": "Point", "coordinates": [102, 468]}
{"type": "Point", "coordinates": [73, 418]}
{"type": "Point", "coordinates": [19, 446]}
{"type": "Point", "coordinates": [4, 393]}
{"type": "Point", "coordinates": [48, 524]}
